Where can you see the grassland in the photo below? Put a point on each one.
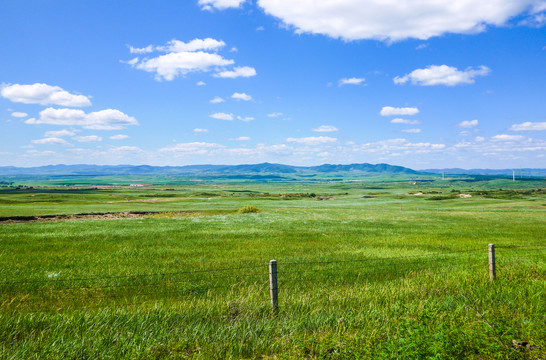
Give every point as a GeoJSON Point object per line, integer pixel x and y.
{"type": "Point", "coordinates": [377, 268]}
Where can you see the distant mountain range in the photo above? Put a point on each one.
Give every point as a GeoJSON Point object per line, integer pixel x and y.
{"type": "Point", "coordinates": [263, 168]}
{"type": "Point", "coordinates": [249, 169]}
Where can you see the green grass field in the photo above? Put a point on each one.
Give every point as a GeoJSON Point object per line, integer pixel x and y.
{"type": "Point", "coordinates": [366, 269]}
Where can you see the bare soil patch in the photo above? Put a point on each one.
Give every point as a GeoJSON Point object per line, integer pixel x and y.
{"type": "Point", "coordinates": [101, 216]}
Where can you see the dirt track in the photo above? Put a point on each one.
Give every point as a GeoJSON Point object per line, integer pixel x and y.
{"type": "Point", "coordinates": [97, 216]}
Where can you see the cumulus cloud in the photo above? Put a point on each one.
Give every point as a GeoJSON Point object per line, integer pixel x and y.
{"type": "Point", "coordinates": [51, 141]}
{"type": "Point", "coordinates": [18, 114]}
{"type": "Point", "coordinates": [243, 71]}
{"type": "Point", "coordinates": [245, 118]}
{"type": "Point", "coordinates": [275, 114]}
{"type": "Point", "coordinates": [220, 4]}
{"type": "Point", "coordinates": [312, 140]}
{"type": "Point", "coordinates": [43, 94]}
{"type": "Point", "coordinates": [468, 124]}
{"type": "Point", "coordinates": [222, 116]}
{"type": "Point", "coordinates": [119, 137]}
{"type": "Point", "coordinates": [197, 130]}
{"type": "Point", "coordinates": [394, 111]}
{"type": "Point", "coordinates": [325, 128]}
{"type": "Point", "coordinates": [241, 96]}
{"type": "Point", "coordinates": [200, 83]}
{"type": "Point", "coordinates": [59, 133]}
{"type": "Point", "coordinates": [216, 100]}
{"type": "Point", "coordinates": [404, 121]}
{"type": "Point", "coordinates": [193, 45]}
{"type": "Point", "coordinates": [351, 81]}
{"type": "Point", "coordinates": [109, 119]}
{"type": "Point", "coordinates": [181, 58]}
{"type": "Point", "coordinates": [242, 138]}
{"type": "Point", "coordinates": [171, 65]}
{"type": "Point", "coordinates": [442, 75]}
{"type": "Point", "coordinates": [88, 138]}
{"type": "Point", "coordinates": [529, 126]}
{"type": "Point", "coordinates": [393, 21]}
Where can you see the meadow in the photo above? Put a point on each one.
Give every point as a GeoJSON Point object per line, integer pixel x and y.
{"type": "Point", "coordinates": [367, 268]}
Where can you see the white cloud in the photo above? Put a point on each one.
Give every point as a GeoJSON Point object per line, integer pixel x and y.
{"type": "Point", "coordinates": [18, 114]}
{"type": "Point", "coordinates": [411, 131]}
{"type": "Point", "coordinates": [393, 111]}
{"type": "Point", "coordinates": [193, 45]}
{"type": "Point", "coordinates": [421, 46]}
{"type": "Point", "coordinates": [312, 140]}
{"type": "Point", "coordinates": [181, 58]}
{"type": "Point", "coordinates": [243, 71]}
{"type": "Point", "coordinates": [216, 100]}
{"type": "Point", "coordinates": [197, 130]}
{"type": "Point", "coordinates": [392, 21]}
{"type": "Point", "coordinates": [260, 28]}
{"type": "Point", "coordinates": [222, 116]}
{"type": "Point", "coordinates": [502, 144]}
{"type": "Point", "coordinates": [119, 137]}
{"type": "Point", "coordinates": [88, 138]}
{"type": "Point", "coordinates": [59, 133]}
{"type": "Point", "coordinates": [389, 146]}
{"type": "Point", "coordinates": [245, 118]}
{"type": "Point", "coordinates": [529, 126]}
{"type": "Point", "coordinates": [220, 4]}
{"type": "Point", "coordinates": [404, 121]}
{"type": "Point", "coordinates": [200, 83]}
{"type": "Point", "coordinates": [51, 141]}
{"type": "Point", "coordinates": [351, 81]}
{"type": "Point", "coordinates": [468, 124]}
{"type": "Point", "coordinates": [174, 64]}
{"type": "Point", "coordinates": [242, 138]}
{"type": "Point", "coordinates": [504, 137]}
{"type": "Point", "coordinates": [325, 128]}
{"type": "Point", "coordinates": [43, 94]}
{"type": "Point", "coordinates": [442, 75]}
{"type": "Point", "coordinates": [144, 50]}
{"type": "Point", "coordinates": [109, 119]}
{"type": "Point", "coordinates": [275, 114]}
{"type": "Point", "coordinates": [241, 96]}
{"type": "Point", "coordinates": [193, 148]}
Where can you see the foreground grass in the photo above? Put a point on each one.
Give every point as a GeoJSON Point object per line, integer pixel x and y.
{"type": "Point", "coordinates": [358, 278]}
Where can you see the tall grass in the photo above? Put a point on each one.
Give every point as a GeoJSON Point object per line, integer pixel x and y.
{"type": "Point", "coordinates": [358, 278]}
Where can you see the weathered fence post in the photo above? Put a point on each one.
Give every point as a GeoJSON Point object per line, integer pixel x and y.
{"type": "Point", "coordinates": [273, 285]}
{"type": "Point", "coordinates": [492, 269]}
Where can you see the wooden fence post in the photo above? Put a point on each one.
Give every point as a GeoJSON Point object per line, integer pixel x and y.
{"type": "Point", "coordinates": [273, 289]}
{"type": "Point", "coordinates": [492, 269]}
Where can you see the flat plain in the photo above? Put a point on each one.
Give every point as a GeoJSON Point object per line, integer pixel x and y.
{"type": "Point", "coordinates": [374, 268]}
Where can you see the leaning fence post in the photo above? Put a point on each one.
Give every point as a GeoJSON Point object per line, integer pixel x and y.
{"type": "Point", "coordinates": [492, 269]}
{"type": "Point", "coordinates": [273, 285]}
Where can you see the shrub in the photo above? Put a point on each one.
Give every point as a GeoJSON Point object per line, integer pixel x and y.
{"type": "Point", "coordinates": [248, 209]}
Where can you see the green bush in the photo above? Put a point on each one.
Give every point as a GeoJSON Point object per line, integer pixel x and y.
{"type": "Point", "coordinates": [248, 209]}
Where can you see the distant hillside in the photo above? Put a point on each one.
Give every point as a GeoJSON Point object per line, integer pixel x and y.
{"type": "Point", "coordinates": [263, 168]}
{"type": "Point", "coordinates": [379, 168]}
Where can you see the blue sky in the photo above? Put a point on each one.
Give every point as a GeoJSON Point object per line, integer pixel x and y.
{"type": "Point", "coordinates": [423, 84]}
